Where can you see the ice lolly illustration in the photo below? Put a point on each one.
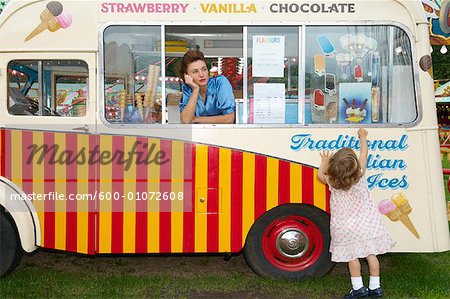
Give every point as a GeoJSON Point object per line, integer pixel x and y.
{"type": "Point", "coordinates": [319, 99]}
{"type": "Point", "coordinates": [358, 73]}
{"type": "Point", "coordinates": [52, 18]}
{"type": "Point", "coordinates": [370, 45]}
{"type": "Point", "coordinates": [360, 42]}
{"type": "Point", "coordinates": [331, 112]}
{"type": "Point", "coordinates": [375, 67]}
{"type": "Point", "coordinates": [375, 93]}
{"type": "Point", "coordinates": [326, 46]}
{"type": "Point", "coordinates": [319, 64]}
{"type": "Point", "coordinates": [330, 84]}
{"type": "Point", "coordinates": [347, 42]}
{"type": "Point", "coordinates": [398, 208]}
{"type": "Point", "coordinates": [344, 61]}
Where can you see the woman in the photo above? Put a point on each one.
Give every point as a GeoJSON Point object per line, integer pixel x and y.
{"type": "Point", "coordinates": [205, 100]}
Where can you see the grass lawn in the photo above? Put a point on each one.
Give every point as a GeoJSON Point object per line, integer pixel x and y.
{"type": "Point", "coordinates": [48, 274]}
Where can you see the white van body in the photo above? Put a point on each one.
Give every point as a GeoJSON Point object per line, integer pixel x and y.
{"type": "Point", "coordinates": [230, 175]}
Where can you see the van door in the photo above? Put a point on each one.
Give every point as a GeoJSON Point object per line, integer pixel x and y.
{"type": "Point", "coordinates": [49, 126]}
{"type": "Point", "coordinates": [50, 91]}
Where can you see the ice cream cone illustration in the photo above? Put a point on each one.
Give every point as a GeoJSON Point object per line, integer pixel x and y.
{"type": "Point", "coordinates": [52, 18]}
{"type": "Point", "coordinates": [397, 209]}
{"type": "Point", "coordinates": [409, 225]}
{"type": "Point", "coordinates": [405, 208]}
{"type": "Point", "coordinates": [402, 203]}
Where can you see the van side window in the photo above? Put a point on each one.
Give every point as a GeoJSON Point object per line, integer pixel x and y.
{"type": "Point", "coordinates": [359, 75]}
{"type": "Point", "coordinates": [132, 74]}
{"type": "Point", "coordinates": [47, 87]}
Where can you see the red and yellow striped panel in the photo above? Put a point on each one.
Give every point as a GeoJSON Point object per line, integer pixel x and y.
{"type": "Point", "coordinates": [200, 199]}
{"type": "Point", "coordinates": [65, 224]}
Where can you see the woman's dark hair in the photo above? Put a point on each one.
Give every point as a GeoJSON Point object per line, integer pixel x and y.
{"type": "Point", "coordinates": [188, 58]}
{"type": "Point", "coordinates": [343, 169]}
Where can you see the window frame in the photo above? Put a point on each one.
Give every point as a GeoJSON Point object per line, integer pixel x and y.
{"type": "Point", "coordinates": [40, 83]}
{"type": "Point", "coordinates": [302, 26]}
{"type": "Point", "coordinates": [58, 75]}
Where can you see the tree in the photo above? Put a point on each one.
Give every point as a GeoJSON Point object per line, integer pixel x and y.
{"type": "Point", "coordinates": [441, 64]}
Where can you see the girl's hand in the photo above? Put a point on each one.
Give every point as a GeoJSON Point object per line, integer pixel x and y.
{"type": "Point", "coordinates": [362, 133]}
{"type": "Point", "coordinates": [188, 80]}
{"type": "Point", "coordinates": [325, 155]}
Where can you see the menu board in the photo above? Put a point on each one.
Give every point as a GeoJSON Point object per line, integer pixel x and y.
{"type": "Point", "coordinates": [268, 56]}
{"type": "Point", "coordinates": [269, 103]}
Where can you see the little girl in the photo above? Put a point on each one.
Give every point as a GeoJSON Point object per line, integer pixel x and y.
{"type": "Point", "coordinates": [356, 228]}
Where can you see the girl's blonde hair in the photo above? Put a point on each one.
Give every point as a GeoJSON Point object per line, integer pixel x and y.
{"type": "Point", "coordinates": [343, 169]}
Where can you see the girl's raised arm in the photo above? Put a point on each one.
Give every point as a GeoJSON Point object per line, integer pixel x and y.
{"type": "Point", "coordinates": [363, 151]}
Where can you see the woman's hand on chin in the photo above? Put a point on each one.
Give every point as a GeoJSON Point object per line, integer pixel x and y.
{"type": "Point", "coordinates": [188, 80]}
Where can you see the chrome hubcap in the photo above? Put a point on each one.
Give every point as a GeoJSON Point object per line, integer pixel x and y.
{"type": "Point", "coordinates": [292, 243]}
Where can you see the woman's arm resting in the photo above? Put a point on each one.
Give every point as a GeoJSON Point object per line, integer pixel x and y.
{"type": "Point", "coordinates": [217, 119]}
{"type": "Point", "coordinates": [188, 114]}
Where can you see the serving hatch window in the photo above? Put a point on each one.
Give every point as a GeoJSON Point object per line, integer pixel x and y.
{"type": "Point", "coordinates": [222, 47]}
{"type": "Point", "coordinates": [359, 75]}
{"type": "Point", "coordinates": [132, 79]}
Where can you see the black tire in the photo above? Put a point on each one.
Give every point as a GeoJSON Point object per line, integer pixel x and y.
{"type": "Point", "coordinates": [10, 249]}
{"type": "Point", "coordinates": [306, 225]}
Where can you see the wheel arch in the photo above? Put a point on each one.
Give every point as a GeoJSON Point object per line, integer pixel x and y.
{"type": "Point", "coordinates": [23, 213]}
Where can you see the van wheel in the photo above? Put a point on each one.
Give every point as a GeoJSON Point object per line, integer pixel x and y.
{"type": "Point", "coordinates": [10, 249]}
{"type": "Point", "coordinates": [290, 241]}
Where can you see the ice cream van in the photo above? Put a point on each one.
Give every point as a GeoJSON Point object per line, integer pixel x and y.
{"type": "Point", "coordinates": [94, 159]}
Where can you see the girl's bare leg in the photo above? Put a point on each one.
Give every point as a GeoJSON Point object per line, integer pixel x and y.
{"type": "Point", "coordinates": [374, 265]}
{"type": "Point", "coordinates": [354, 267]}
